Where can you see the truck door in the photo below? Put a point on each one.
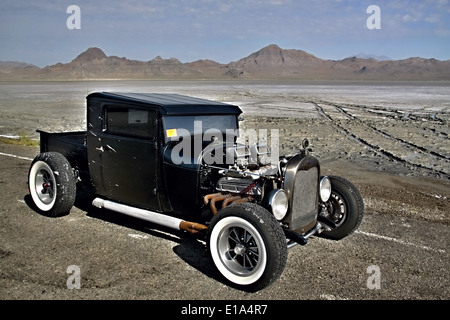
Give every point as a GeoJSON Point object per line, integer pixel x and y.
{"type": "Point", "coordinates": [128, 155]}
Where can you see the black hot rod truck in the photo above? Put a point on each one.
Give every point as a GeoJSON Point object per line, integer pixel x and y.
{"type": "Point", "coordinates": [250, 210]}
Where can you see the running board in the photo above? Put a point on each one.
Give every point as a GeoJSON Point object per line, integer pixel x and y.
{"type": "Point", "coordinates": [150, 216]}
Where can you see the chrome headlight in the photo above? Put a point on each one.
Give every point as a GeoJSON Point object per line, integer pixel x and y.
{"type": "Point", "coordinates": [325, 188]}
{"type": "Point", "coordinates": [278, 203]}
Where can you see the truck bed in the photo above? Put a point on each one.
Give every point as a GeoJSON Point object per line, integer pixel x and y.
{"type": "Point", "coordinates": [72, 145]}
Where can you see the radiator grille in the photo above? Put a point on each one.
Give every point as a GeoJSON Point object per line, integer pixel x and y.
{"type": "Point", "coordinates": [304, 198]}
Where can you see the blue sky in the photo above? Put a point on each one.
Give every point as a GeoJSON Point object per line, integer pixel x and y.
{"type": "Point", "coordinates": [221, 30]}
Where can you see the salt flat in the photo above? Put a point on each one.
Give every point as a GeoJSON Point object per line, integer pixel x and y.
{"type": "Point", "coordinates": [54, 106]}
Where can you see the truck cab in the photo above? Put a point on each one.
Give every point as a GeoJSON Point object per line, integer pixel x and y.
{"type": "Point", "coordinates": [128, 141]}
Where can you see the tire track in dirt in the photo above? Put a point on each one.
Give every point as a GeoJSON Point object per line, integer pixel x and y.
{"type": "Point", "coordinates": [394, 114]}
{"type": "Point", "coordinates": [369, 133]}
{"type": "Point", "coordinates": [404, 142]}
{"type": "Point", "coordinates": [381, 142]}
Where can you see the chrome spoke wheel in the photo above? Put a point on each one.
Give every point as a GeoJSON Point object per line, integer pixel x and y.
{"type": "Point", "coordinates": [240, 250]}
{"type": "Point", "coordinates": [247, 245]}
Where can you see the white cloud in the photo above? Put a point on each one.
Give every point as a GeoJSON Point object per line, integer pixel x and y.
{"type": "Point", "coordinates": [408, 18]}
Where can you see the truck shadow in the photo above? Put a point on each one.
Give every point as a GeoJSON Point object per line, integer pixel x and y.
{"type": "Point", "coordinates": [191, 248]}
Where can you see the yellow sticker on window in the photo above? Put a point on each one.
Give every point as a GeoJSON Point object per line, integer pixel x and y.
{"type": "Point", "coordinates": [171, 133]}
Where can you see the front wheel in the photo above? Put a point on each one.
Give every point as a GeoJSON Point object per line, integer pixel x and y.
{"type": "Point", "coordinates": [247, 245]}
{"type": "Point", "coordinates": [52, 184]}
{"type": "Point", "coordinates": [345, 207]}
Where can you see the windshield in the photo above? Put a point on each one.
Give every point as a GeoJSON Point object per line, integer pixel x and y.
{"type": "Point", "coordinates": [211, 125]}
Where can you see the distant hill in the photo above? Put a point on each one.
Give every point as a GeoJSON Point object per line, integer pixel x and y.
{"type": "Point", "coordinates": [89, 55]}
{"type": "Point", "coordinates": [372, 56]}
{"type": "Point", "coordinates": [274, 62]}
{"type": "Point", "coordinates": [271, 62]}
{"type": "Point", "coordinates": [13, 66]}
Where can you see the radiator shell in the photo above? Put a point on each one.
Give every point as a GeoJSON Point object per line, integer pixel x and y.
{"type": "Point", "coordinates": [301, 182]}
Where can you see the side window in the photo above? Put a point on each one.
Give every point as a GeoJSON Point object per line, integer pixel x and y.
{"type": "Point", "coordinates": [129, 121]}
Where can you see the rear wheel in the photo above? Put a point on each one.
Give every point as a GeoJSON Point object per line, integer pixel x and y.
{"type": "Point", "coordinates": [247, 245]}
{"type": "Point", "coordinates": [52, 184]}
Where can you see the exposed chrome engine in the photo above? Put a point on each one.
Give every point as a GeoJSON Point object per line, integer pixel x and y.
{"type": "Point", "coordinates": [244, 176]}
{"type": "Point", "coordinates": [249, 174]}
{"type": "Point", "coordinates": [239, 185]}
{"type": "Point", "coordinates": [249, 165]}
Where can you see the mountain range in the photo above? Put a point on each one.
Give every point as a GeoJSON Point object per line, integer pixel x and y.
{"type": "Point", "coordinates": [271, 62]}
